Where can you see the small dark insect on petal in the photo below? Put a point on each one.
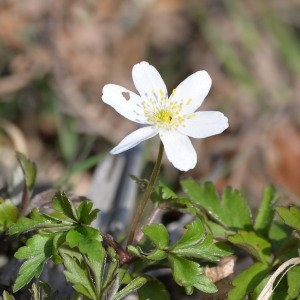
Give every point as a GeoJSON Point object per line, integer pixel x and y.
{"type": "Point", "coordinates": [126, 95]}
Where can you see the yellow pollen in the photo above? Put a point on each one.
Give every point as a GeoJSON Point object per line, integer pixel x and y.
{"type": "Point", "coordinates": [164, 116]}
{"type": "Point", "coordinates": [164, 112]}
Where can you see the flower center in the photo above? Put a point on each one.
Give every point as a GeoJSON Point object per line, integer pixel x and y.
{"type": "Point", "coordinates": [162, 112]}
{"type": "Point", "coordinates": [164, 116]}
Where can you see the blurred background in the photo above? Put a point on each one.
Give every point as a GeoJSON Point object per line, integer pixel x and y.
{"type": "Point", "coordinates": [56, 56]}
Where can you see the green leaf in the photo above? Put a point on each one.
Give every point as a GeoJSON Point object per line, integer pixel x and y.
{"type": "Point", "coordinates": [157, 255]}
{"type": "Point", "coordinates": [153, 289]}
{"type": "Point", "coordinates": [135, 284]}
{"type": "Point", "coordinates": [87, 239]}
{"type": "Point", "coordinates": [38, 250]}
{"type": "Point", "coordinates": [77, 274]}
{"type": "Point", "coordinates": [61, 203]}
{"type": "Point", "coordinates": [37, 221]}
{"type": "Point", "coordinates": [206, 197]}
{"type": "Point", "coordinates": [189, 274]}
{"type": "Point", "coordinates": [291, 216]}
{"type": "Point", "coordinates": [206, 249]}
{"type": "Point", "coordinates": [8, 213]}
{"type": "Point", "coordinates": [266, 212]}
{"type": "Point", "coordinates": [165, 192]}
{"type": "Point", "coordinates": [281, 238]}
{"type": "Point", "coordinates": [294, 282]}
{"type": "Point", "coordinates": [7, 296]}
{"type": "Point", "coordinates": [85, 213]}
{"type": "Point", "coordinates": [193, 235]}
{"type": "Point", "coordinates": [29, 170]}
{"type": "Point", "coordinates": [256, 246]}
{"type": "Point", "coordinates": [248, 280]}
{"type": "Point", "coordinates": [158, 234]}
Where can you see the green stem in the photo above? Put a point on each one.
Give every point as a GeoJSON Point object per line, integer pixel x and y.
{"type": "Point", "coordinates": [142, 205]}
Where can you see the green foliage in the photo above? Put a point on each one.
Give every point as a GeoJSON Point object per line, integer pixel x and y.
{"type": "Point", "coordinates": [246, 281]}
{"type": "Point", "coordinates": [205, 197]}
{"type": "Point", "coordinates": [258, 247]}
{"type": "Point", "coordinates": [153, 289]}
{"type": "Point", "coordinates": [96, 265]}
{"type": "Point", "coordinates": [266, 212]}
{"type": "Point", "coordinates": [8, 213]}
{"type": "Point", "coordinates": [7, 296]}
{"type": "Point", "coordinates": [62, 226]}
{"type": "Point", "coordinates": [37, 251]}
{"type": "Point", "coordinates": [293, 276]}
{"type": "Point", "coordinates": [29, 171]}
{"type": "Point", "coordinates": [291, 216]}
{"type": "Point", "coordinates": [194, 244]}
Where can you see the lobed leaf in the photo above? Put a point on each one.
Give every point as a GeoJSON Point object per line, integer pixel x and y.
{"type": "Point", "coordinates": [37, 221]}
{"type": "Point", "coordinates": [158, 234]}
{"type": "Point", "coordinates": [61, 203]}
{"type": "Point", "coordinates": [258, 247]}
{"type": "Point", "coordinates": [78, 275]}
{"type": "Point", "coordinates": [189, 274]}
{"type": "Point", "coordinates": [205, 196]}
{"type": "Point", "coordinates": [86, 215]}
{"type": "Point", "coordinates": [132, 286]}
{"type": "Point", "coordinates": [193, 235]}
{"type": "Point", "coordinates": [38, 250]}
{"type": "Point", "coordinates": [291, 216]}
{"type": "Point", "coordinates": [87, 239]}
{"type": "Point", "coordinates": [248, 280]}
{"type": "Point", "coordinates": [206, 249]}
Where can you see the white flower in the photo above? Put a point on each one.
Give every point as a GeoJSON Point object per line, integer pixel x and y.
{"type": "Point", "coordinates": [173, 118]}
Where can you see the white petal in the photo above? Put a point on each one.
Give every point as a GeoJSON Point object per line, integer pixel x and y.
{"type": "Point", "coordinates": [179, 150]}
{"type": "Point", "coordinates": [147, 79]}
{"type": "Point", "coordinates": [125, 102]}
{"type": "Point", "coordinates": [204, 124]}
{"type": "Point", "coordinates": [134, 139]}
{"type": "Point", "coordinates": [195, 87]}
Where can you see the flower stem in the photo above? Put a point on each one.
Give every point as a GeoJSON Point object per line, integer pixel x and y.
{"type": "Point", "coordinates": [146, 196]}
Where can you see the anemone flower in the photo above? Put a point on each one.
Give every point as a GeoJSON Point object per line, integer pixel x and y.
{"type": "Point", "coordinates": [173, 118]}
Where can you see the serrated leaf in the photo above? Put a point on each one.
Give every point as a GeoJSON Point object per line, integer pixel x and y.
{"type": "Point", "coordinates": [258, 247]}
{"type": "Point", "coordinates": [38, 250]}
{"type": "Point", "coordinates": [61, 203]}
{"type": "Point", "coordinates": [189, 274]}
{"type": "Point", "coordinates": [206, 249]}
{"type": "Point", "coordinates": [8, 213]}
{"type": "Point", "coordinates": [135, 284]}
{"type": "Point", "coordinates": [97, 269]}
{"type": "Point", "coordinates": [294, 282]}
{"type": "Point", "coordinates": [153, 289]}
{"type": "Point", "coordinates": [166, 192]}
{"type": "Point", "coordinates": [29, 170]}
{"type": "Point", "coordinates": [247, 281]}
{"type": "Point", "coordinates": [78, 275]}
{"type": "Point", "coordinates": [193, 235]}
{"type": "Point", "coordinates": [158, 235]}
{"type": "Point", "coordinates": [291, 216]}
{"type": "Point", "coordinates": [87, 239]}
{"type": "Point", "coordinates": [85, 213]}
{"type": "Point", "coordinates": [266, 212]}
{"type": "Point", "coordinates": [206, 197]}
{"type": "Point", "coordinates": [36, 221]}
